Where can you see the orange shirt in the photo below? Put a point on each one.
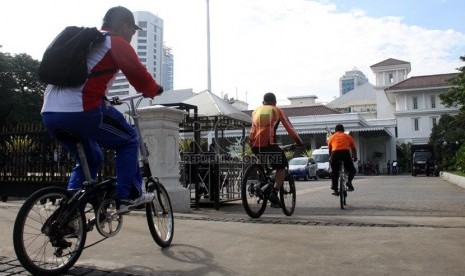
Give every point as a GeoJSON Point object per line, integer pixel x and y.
{"type": "Point", "coordinates": [340, 141]}
{"type": "Point", "coordinates": [265, 121]}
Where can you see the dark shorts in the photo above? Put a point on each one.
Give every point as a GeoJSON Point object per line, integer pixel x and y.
{"type": "Point", "coordinates": [272, 155]}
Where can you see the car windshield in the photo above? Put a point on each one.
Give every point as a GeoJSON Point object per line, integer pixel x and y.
{"type": "Point", "coordinates": [321, 158]}
{"type": "Point", "coordinates": [422, 156]}
{"type": "Point", "coordinates": [298, 161]}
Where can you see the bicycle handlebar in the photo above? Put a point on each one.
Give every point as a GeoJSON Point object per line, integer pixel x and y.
{"type": "Point", "coordinates": [290, 146]}
{"type": "Point", "coordinates": [127, 98]}
{"type": "Point", "coordinates": [118, 101]}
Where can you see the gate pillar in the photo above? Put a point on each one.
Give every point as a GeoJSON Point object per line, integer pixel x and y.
{"type": "Point", "coordinates": [160, 131]}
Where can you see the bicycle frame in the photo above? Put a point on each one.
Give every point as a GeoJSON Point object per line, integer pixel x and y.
{"type": "Point", "coordinates": [142, 147]}
{"type": "Point", "coordinates": [255, 193]}
{"type": "Point", "coordinates": [146, 171]}
{"type": "Point", "coordinates": [82, 196]}
{"type": "Point", "coordinates": [78, 201]}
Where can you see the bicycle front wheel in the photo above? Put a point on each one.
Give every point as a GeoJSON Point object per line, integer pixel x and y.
{"type": "Point", "coordinates": [288, 195]}
{"type": "Point", "coordinates": [342, 191]}
{"type": "Point", "coordinates": [253, 199]}
{"type": "Point", "coordinates": [42, 246]}
{"type": "Point", "coordinates": [160, 215]}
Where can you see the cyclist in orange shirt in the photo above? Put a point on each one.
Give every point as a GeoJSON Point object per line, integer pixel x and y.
{"type": "Point", "coordinates": [340, 146]}
{"type": "Point", "coordinates": [265, 122]}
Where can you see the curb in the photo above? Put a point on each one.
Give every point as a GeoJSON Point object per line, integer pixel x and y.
{"type": "Point", "coordinates": [452, 178]}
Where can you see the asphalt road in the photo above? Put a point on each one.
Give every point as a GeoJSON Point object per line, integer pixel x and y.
{"type": "Point", "coordinates": [393, 225]}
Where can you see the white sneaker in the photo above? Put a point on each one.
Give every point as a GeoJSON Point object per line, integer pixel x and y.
{"type": "Point", "coordinates": [127, 205]}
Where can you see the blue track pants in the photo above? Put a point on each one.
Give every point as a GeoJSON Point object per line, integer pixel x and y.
{"type": "Point", "coordinates": [105, 127]}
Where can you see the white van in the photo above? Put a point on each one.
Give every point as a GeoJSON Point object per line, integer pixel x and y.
{"type": "Point", "coordinates": [321, 157]}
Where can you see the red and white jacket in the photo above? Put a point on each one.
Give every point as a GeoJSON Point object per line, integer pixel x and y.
{"type": "Point", "coordinates": [115, 52]}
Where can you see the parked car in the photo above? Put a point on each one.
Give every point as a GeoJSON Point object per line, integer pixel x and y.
{"type": "Point", "coordinates": [303, 167]}
{"type": "Point", "coordinates": [321, 157]}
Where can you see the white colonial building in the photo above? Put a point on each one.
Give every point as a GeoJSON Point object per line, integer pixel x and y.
{"type": "Point", "coordinates": [413, 103]}
{"type": "Point", "coordinates": [418, 107]}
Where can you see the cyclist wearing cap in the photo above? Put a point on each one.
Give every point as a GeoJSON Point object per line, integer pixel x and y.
{"type": "Point", "coordinates": [340, 146]}
{"type": "Point", "coordinates": [265, 121]}
{"type": "Point", "coordinates": [85, 111]}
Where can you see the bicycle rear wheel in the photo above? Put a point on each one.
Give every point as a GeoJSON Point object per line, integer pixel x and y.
{"type": "Point", "coordinates": [288, 195]}
{"type": "Point", "coordinates": [41, 245]}
{"type": "Point", "coordinates": [253, 200]}
{"type": "Point", "coordinates": [160, 215]}
{"type": "Point", "coordinates": [342, 191]}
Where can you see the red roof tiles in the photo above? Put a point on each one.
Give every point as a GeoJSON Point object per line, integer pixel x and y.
{"type": "Point", "coordinates": [304, 111]}
{"type": "Point", "coordinates": [423, 82]}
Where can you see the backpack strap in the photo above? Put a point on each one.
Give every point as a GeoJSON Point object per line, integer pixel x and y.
{"type": "Point", "coordinates": [105, 71]}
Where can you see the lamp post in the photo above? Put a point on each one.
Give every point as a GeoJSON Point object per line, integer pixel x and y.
{"type": "Point", "coordinates": [208, 48]}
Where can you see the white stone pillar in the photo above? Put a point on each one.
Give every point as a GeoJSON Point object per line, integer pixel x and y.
{"type": "Point", "coordinates": [160, 131]}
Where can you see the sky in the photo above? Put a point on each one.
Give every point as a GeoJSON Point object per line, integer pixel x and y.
{"type": "Point", "coordinates": [289, 47]}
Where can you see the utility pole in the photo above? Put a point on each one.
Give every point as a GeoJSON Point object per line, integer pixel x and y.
{"type": "Point", "coordinates": [208, 48]}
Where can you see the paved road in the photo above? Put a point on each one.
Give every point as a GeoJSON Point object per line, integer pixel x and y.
{"type": "Point", "coordinates": [394, 225]}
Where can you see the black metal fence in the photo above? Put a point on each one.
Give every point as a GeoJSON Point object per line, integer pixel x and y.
{"type": "Point", "coordinates": [30, 160]}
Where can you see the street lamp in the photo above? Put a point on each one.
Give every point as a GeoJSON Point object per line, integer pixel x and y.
{"type": "Point", "coordinates": [208, 48]}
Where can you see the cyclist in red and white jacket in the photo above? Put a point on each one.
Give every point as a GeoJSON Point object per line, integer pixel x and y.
{"type": "Point", "coordinates": [85, 111]}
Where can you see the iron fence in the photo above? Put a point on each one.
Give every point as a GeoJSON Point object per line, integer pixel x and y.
{"type": "Point", "coordinates": [30, 159]}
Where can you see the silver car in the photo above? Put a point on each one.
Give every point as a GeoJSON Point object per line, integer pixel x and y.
{"type": "Point", "coordinates": [303, 167]}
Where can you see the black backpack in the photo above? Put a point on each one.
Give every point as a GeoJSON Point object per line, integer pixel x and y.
{"type": "Point", "coordinates": [65, 61]}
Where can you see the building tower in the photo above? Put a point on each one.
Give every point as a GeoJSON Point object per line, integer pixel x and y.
{"type": "Point", "coordinates": [167, 69]}
{"type": "Point", "coordinates": [390, 71]}
{"type": "Point", "coordinates": [351, 80]}
{"type": "Point", "coordinates": [148, 44]}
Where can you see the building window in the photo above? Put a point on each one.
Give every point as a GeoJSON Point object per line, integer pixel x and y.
{"type": "Point", "coordinates": [391, 78]}
{"type": "Point", "coordinates": [118, 93]}
{"type": "Point", "coordinates": [434, 121]}
{"type": "Point", "coordinates": [415, 102]}
{"type": "Point", "coordinates": [416, 124]}
{"type": "Point", "coordinates": [126, 86]}
{"type": "Point", "coordinates": [142, 33]}
{"type": "Point", "coordinates": [142, 41]}
{"type": "Point", "coordinates": [142, 24]}
{"type": "Point", "coordinates": [433, 101]}
{"type": "Point", "coordinates": [141, 47]}
{"type": "Point", "coordinates": [122, 80]}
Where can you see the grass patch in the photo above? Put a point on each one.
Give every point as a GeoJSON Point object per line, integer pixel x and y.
{"type": "Point", "coordinates": [458, 173]}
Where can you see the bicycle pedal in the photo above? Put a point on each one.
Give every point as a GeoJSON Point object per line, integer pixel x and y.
{"type": "Point", "coordinates": [90, 224]}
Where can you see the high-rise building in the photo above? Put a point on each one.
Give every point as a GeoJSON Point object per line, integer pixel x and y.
{"type": "Point", "coordinates": [148, 44]}
{"type": "Point", "coordinates": [167, 69]}
{"type": "Point", "coordinates": [351, 80]}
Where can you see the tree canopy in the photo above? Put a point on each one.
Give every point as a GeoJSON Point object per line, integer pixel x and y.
{"type": "Point", "coordinates": [447, 137]}
{"type": "Point", "coordinates": [455, 96]}
{"type": "Point", "coordinates": [20, 89]}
